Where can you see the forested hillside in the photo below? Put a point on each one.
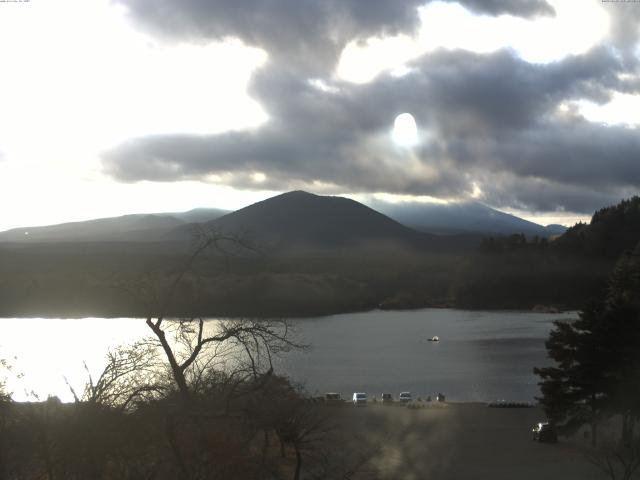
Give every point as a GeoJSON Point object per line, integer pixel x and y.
{"type": "Point", "coordinates": [512, 272]}
{"type": "Point", "coordinates": [612, 230]}
{"type": "Point", "coordinates": [515, 272]}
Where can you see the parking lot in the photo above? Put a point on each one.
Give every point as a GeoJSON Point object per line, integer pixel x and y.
{"type": "Point", "coordinates": [459, 441]}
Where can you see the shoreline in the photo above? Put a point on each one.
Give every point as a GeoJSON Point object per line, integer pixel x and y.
{"type": "Point", "coordinates": [87, 316]}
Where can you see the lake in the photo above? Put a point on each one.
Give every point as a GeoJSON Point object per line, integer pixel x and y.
{"type": "Point", "coordinates": [481, 355]}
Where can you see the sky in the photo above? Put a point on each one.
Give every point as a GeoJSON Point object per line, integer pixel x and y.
{"type": "Point", "coordinates": [110, 107]}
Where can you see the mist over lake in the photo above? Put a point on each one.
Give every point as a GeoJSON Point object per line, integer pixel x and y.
{"type": "Point", "coordinates": [481, 356]}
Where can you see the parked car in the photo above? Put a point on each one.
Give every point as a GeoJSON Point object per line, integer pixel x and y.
{"type": "Point", "coordinates": [359, 399]}
{"type": "Point", "coordinates": [405, 397]}
{"type": "Point", "coordinates": [332, 398]}
{"type": "Point", "coordinates": [544, 432]}
{"type": "Point", "coordinates": [387, 399]}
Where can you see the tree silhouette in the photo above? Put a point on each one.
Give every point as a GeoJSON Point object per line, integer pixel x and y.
{"type": "Point", "coordinates": [184, 342]}
{"type": "Point", "coordinates": [597, 371]}
{"type": "Point", "coordinates": [131, 375]}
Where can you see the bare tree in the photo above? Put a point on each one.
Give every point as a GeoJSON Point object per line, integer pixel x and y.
{"type": "Point", "coordinates": [249, 344]}
{"type": "Point", "coordinates": [259, 340]}
{"type": "Point", "coordinates": [234, 356]}
{"type": "Point", "coordinates": [305, 427]}
{"type": "Point", "coordinates": [619, 460]}
{"type": "Point", "coordinates": [132, 374]}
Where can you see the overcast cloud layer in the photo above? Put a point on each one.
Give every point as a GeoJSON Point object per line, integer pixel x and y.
{"type": "Point", "coordinates": [490, 122]}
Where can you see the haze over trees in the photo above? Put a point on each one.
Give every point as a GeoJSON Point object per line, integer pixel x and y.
{"type": "Point", "coordinates": [196, 400]}
{"type": "Point", "coordinates": [319, 255]}
{"type": "Point", "coordinates": [515, 271]}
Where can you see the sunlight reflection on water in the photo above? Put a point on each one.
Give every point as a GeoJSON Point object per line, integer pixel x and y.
{"type": "Point", "coordinates": [481, 356]}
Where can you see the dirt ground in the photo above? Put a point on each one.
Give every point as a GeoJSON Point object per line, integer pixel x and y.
{"type": "Point", "coordinates": [458, 442]}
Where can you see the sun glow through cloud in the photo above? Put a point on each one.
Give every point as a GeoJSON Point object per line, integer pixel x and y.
{"type": "Point", "coordinates": [83, 80]}
{"type": "Point", "coordinates": [92, 68]}
{"type": "Point", "coordinates": [405, 130]}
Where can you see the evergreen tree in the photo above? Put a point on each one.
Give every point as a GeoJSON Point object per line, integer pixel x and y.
{"type": "Point", "coordinates": [597, 357]}
{"type": "Point", "coordinates": [623, 316]}
{"type": "Point", "coordinates": [574, 392]}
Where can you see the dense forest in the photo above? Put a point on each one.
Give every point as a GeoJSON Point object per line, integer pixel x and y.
{"type": "Point", "coordinates": [516, 272]}
{"type": "Point", "coordinates": [510, 272]}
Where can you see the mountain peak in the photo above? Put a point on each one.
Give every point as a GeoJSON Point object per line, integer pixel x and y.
{"type": "Point", "coordinates": [302, 219]}
{"type": "Point", "coordinates": [299, 193]}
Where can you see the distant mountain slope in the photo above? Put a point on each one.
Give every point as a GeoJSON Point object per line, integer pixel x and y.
{"type": "Point", "coordinates": [612, 230]}
{"type": "Point", "coordinates": [199, 215]}
{"type": "Point", "coordinates": [303, 220]}
{"type": "Point", "coordinates": [466, 217]}
{"type": "Point", "coordinates": [136, 227]}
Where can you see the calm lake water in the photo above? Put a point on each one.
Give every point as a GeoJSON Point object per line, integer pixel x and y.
{"type": "Point", "coordinates": [481, 356]}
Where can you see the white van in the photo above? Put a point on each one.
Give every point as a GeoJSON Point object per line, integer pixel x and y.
{"type": "Point", "coordinates": [359, 399]}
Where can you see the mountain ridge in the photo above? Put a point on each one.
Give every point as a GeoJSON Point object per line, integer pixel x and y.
{"type": "Point", "coordinates": [139, 227]}
{"type": "Point", "coordinates": [464, 217]}
{"type": "Point", "coordinates": [451, 219]}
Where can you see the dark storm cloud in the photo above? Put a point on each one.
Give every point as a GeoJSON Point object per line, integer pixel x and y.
{"type": "Point", "coordinates": [464, 92]}
{"type": "Point", "coordinates": [574, 153]}
{"type": "Point", "coordinates": [490, 120]}
{"type": "Point", "coordinates": [340, 139]}
{"type": "Point", "coordinates": [306, 34]}
{"type": "Point", "coordinates": [486, 113]}
{"type": "Point", "coordinates": [544, 195]}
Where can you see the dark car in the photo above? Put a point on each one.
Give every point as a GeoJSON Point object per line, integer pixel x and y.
{"type": "Point", "coordinates": [544, 433]}
{"type": "Point", "coordinates": [387, 399]}
{"type": "Point", "coordinates": [333, 398]}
